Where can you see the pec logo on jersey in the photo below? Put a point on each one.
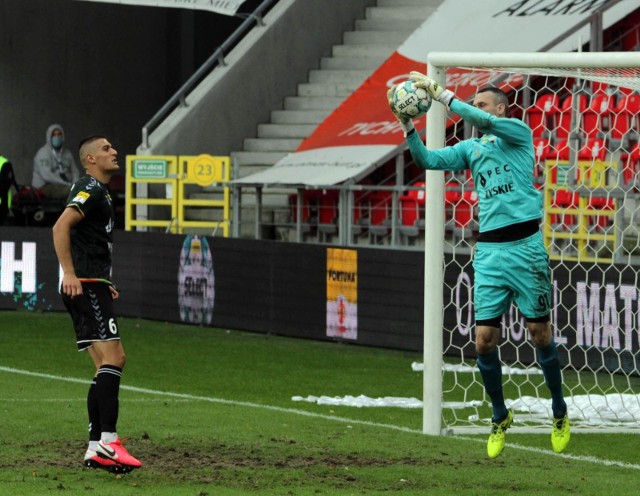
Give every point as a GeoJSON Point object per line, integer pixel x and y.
{"type": "Point", "coordinates": [81, 197]}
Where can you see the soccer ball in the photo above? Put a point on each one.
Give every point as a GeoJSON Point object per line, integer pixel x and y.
{"type": "Point", "coordinates": [411, 101]}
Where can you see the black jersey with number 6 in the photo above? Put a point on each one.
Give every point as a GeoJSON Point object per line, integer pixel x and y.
{"type": "Point", "coordinates": [92, 237]}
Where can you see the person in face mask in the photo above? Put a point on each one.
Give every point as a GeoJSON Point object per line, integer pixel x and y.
{"type": "Point", "coordinates": [54, 168]}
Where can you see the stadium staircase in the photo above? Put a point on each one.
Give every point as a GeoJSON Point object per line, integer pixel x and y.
{"type": "Point", "coordinates": [373, 40]}
{"type": "Point", "coordinates": [385, 27]}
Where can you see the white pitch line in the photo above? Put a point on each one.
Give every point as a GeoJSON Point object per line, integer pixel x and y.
{"type": "Point", "coordinates": [216, 400]}
{"type": "Point", "coordinates": [190, 397]}
{"type": "Point", "coordinates": [578, 458]}
{"type": "Point", "coordinates": [84, 400]}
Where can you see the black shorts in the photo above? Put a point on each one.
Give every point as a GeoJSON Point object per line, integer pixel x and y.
{"type": "Point", "coordinates": [92, 314]}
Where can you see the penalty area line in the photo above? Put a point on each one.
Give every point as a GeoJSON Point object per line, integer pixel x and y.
{"type": "Point", "coordinates": [249, 404]}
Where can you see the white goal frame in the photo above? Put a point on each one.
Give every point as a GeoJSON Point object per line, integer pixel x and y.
{"type": "Point", "coordinates": [438, 62]}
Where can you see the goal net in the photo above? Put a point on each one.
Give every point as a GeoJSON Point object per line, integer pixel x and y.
{"type": "Point", "coordinates": [584, 112]}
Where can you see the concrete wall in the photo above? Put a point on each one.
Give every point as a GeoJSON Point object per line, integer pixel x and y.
{"type": "Point", "coordinates": [260, 72]}
{"type": "Point", "coordinates": [97, 67]}
{"type": "Point", "coordinates": [86, 66]}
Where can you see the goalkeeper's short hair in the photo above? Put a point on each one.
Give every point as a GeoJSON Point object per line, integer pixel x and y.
{"type": "Point", "coordinates": [499, 95]}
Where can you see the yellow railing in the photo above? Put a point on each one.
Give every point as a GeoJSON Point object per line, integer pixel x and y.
{"type": "Point", "coordinates": [143, 171]}
{"type": "Point", "coordinates": [581, 216]}
{"type": "Point", "coordinates": [176, 173]}
{"type": "Point", "coordinates": [206, 171]}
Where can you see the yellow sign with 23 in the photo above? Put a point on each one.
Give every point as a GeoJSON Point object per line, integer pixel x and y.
{"type": "Point", "coordinates": [205, 170]}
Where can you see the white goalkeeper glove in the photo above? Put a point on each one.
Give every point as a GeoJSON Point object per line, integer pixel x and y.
{"type": "Point", "coordinates": [436, 91]}
{"type": "Point", "coordinates": [405, 122]}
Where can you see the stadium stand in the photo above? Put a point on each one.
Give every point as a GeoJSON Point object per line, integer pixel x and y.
{"type": "Point", "coordinates": [596, 118]}
{"type": "Point", "coordinates": [378, 220]}
{"type": "Point", "coordinates": [593, 149]}
{"type": "Point", "coordinates": [308, 217]}
{"type": "Point", "coordinates": [542, 116]}
{"type": "Point", "coordinates": [624, 125]}
{"type": "Point", "coordinates": [412, 204]}
{"type": "Point", "coordinates": [605, 117]}
{"type": "Point", "coordinates": [569, 118]}
{"type": "Point", "coordinates": [631, 165]}
{"type": "Point", "coordinates": [327, 215]}
{"type": "Point", "coordinates": [566, 200]}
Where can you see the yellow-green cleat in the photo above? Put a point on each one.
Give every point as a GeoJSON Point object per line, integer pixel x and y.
{"type": "Point", "coordinates": [495, 445]}
{"type": "Point", "coordinates": [560, 434]}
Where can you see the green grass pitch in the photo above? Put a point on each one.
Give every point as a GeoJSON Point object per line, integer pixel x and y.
{"type": "Point", "coordinates": [209, 412]}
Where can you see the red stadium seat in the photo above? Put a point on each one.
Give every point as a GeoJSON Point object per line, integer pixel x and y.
{"type": "Point", "coordinates": [358, 213]}
{"type": "Point", "coordinates": [452, 196]}
{"type": "Point", "coordinates": [465, 211]}
{"type": "Point", "coordinates": [411, 216]}
{"type": "Point", "coordinates": [460, 208]}
{"type": "Point", "coordinates": [327, 214]}
{"type": "Point", "coordinates": [597, 222]}
{"type": "Point", "coordinates": [561, 151]}
{"type": "Point", "coordinates": [541, 116]}
{"type": "Point", "coordinates": [593, 149]}
{"type": "Point", "coordinates": [598, 87]}
{"type": "Point", "coordinates": [417, 194]}
{"type": "Point", "coordinates": [624, 118]}
{"type": "Point", "coordinates": [307, 219]}
{"type": "Point", "coordinates": [379, 219]}
{"type": "Point", "coordinates": [564, 199]}
{"type": "Point", "coordinates": [630, 165]}
{"type": "Point", "coordinates": [411, 211]}
{"type": "Point", "coordinates": [596, 119]}
{"type": "Point", "coordinates": [563, 121]}
{"type": "Point", "coordinates": [309, 210]}
{"type": "Point", "coordinates": [328, 207]}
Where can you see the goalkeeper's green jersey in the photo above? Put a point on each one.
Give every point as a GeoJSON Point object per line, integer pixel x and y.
{"type": "Point", "coordinates": [501, 164]}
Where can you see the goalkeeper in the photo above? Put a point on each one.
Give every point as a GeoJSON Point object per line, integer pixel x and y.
{"type": "Point", "coordinates": [510, 260]}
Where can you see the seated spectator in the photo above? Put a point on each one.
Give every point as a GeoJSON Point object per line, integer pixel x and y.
{"type": "Point", "coordinates": [54, 168]}
{"type": "Point", "coordinates": [7, 180]}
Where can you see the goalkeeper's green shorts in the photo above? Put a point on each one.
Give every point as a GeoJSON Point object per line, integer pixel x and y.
{"type": "Point", "coordinates": [515, 271]}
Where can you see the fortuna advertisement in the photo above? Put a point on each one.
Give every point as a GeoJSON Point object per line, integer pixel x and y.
{"type": "Point", "coordinates": [342, 293]}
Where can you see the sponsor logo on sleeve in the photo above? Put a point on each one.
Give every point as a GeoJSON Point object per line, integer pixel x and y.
{"type": "Point", "coordinates": [81, 197]}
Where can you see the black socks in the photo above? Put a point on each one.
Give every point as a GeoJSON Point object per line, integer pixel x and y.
{"type": "Point", "coordinates": [106, 391]}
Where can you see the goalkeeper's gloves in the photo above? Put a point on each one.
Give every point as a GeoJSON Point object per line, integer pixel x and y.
{"type": "Point", "coordinates": [405, 122]}
{"type": "Point", "coordinates": [436, 91]}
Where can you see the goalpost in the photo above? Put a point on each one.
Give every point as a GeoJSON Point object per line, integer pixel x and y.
{"type": "Point", "coordinates": [587, 139]}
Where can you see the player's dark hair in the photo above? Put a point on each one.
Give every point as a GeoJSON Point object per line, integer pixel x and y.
{"type": "Point", "coordinates": [87, 141]}
{"type": "Point", "coordinates": [500, 96]}
{"type": "Point", "coordinates": [90, 139]}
